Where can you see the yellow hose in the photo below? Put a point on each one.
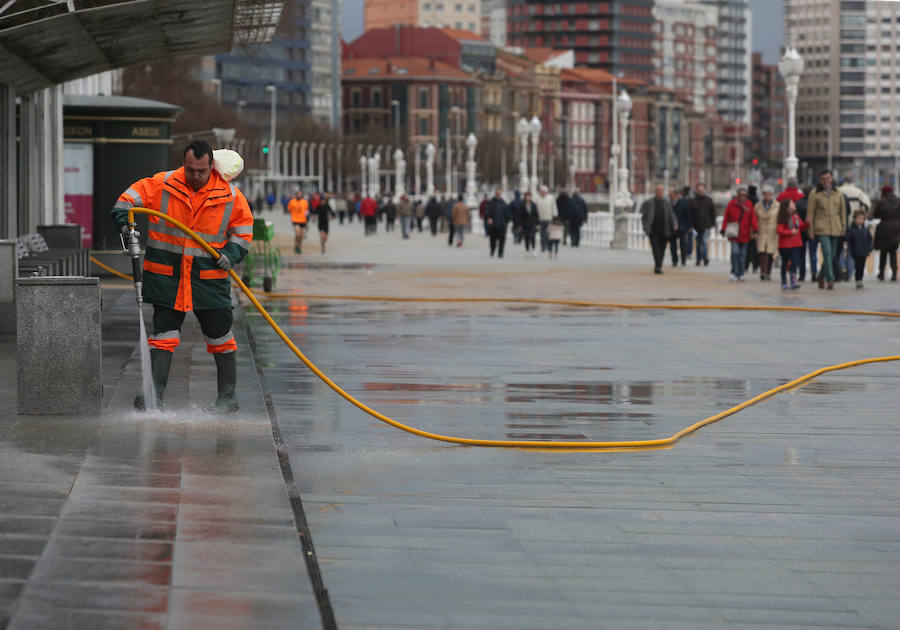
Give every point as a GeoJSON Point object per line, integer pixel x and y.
{"type": "Point", "coordinates": [536, 444]}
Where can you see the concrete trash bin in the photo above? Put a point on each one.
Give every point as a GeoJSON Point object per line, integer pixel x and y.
{"type": "Point", "coordinates": [58, 345]}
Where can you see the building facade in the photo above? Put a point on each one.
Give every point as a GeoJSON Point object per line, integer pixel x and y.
{"type": "Point", "coordinates": [768, 142]}
{"type": "Point", "coordinates": [734, 59]}
{"type": "Point", "coordinates": [616, 36]}
{"type": "Point", "coordinates": [458, 14]}
{"type": "Point", "coordinates": [686, 52]}
{"type": "Point", "coordinates": [847, 107]}
{"type": "Point", "coordinates": [302, 62]}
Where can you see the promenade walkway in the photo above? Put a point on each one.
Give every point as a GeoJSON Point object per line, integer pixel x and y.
{"type": "Point", "coordinates": [785, 515]}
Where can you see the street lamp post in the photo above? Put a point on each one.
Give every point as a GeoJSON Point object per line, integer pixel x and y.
{"type": "Point", "coordinates": [417, 178]}
{"type": "Point", "coordinates": [791, 67]}
{"type": "Point", "coordinates": [452, 129]}
{"type": "Point", "coordinates": [399, 175]}
{"type": "Point", "coordinates": [429, 169]}
{"type": "Point", "coordinates": [321, 166]}
{"type": "Point", "coordinates": [535, 129]}
{"type": "Point", "coordinates": [624, 105]}
{"type": "Point", "coordinates": [522, 128]}
{"type": "Point", "coordinates": [471, 143]}
{"type": "Point", "coordinates": [614, 152]}
{"type": "Point", "coordinates": [272, 154]}
{"type": "Point", "coordinates": [828, 135]}
{"type": "Point", "coordinates": [363, 183]}
{"type": "Point", "coordinates": [395, 106]}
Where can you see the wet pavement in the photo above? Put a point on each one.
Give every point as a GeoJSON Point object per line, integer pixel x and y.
{"type": "Point", "coordinates": [785, 515]}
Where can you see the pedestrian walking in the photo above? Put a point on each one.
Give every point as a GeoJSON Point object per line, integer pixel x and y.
{"type": "Point", "coordinates": [555, 232]}
{"type": "Point", "coordinates": [460, 217]}
{"type": "Point", "coordinates": [448, 219]}
{"type": "Point", "coordinates": [546, 206]}
{"type": "Point", "coordinates": [497, 216]}
{"type": "Point", "coordinates": [420, 214]}
{"type": "Point", "coordinates": [577, 215]}
{"type": "Point", "coordinates": [659, 223]}
{"type": "Point", "coordinates": [827, 216]}
{"type": "Point", "coordinates": [703, 219]}
{"type": "Point", "coordinates": [298, 207]}
{"type": "Point", "coordinates": [528, 221]}
{"type": "Point", "coordinates": [433, 212]}
{"type": "Point", "coordinates": [562, 211]}
{"type": "Point", "coordinates": [324, 212]}
{"type": "Point", "coordinates": [740, 216]}
{"type": "Point", "coordinates": [859, 244]}
{"type": "Point", "coordinates": [790, 228]}
{"type": "Point", "coordinates": [752, 252]}
{"type": "Point", "coordinates": [405, 211]}
{"type": "Point", "coordinates": [368, 209]}
{"type": "Point", "coordinates": [517, 208]}
{"type": "Point", "coordinates": [856, 200]}
{"type": "Point", "coordinates": [685, 231]}
{"type": "Point", "coordinates": [887, 233]}
{"type": "Point", "coordinates": [674, 240]}
{"type": "Point", "coordinates": [767, 237]}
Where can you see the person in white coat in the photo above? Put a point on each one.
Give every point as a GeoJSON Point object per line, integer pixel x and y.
{"type": "Point", "coordinates": [546, 207]}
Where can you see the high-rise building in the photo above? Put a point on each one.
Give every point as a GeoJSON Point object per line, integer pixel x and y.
{"type": "Point", "coordinates": [686, 48]}
{"type": "Point", "coordinates": [616, 36]}
{"type": "Point", "coordinates": [847, 104]}
{"type": "Point", "coordinates": [493, 21]}
{"type": "Point", "coordinates": [458, 14]}
{"type": "Point", "coordinates": [734, 72]}
{"type": "Point", "coordinates": [768, 142]}
{"type": "Point", "coordinates": [302, 62]}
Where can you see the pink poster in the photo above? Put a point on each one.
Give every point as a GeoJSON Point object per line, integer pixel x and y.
{"type": "Point", "coordinates": [78, 187]}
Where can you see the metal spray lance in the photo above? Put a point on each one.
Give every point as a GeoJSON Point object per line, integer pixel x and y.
{"type": "Point", "coordinates": [132, 247]}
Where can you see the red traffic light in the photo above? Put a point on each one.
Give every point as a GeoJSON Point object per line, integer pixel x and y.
{"type": "Point", "coordinates": [755, 161]}
{"type": "Point", "coordinates": [737, 180]}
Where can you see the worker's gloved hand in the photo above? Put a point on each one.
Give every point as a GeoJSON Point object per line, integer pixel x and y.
{"type": "Point", "coordinates": [224, 262]}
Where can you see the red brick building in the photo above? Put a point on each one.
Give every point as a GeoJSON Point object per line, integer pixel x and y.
{"type": "Point", "coordinates": [769, 140]}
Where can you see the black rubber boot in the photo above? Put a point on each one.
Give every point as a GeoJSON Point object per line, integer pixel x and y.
{"type": "Point", "coordinates": [226, 377]}
{"type": "Point", "coordinates": [160, 361]}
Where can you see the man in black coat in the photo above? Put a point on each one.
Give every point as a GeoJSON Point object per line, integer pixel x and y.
{"type": "Point", "coordinates": [517, 208]}
{"type": "Point", "coordinates": [684, 233]}
{"type": "Point", "coordinates": [577, 213]}
{"type": "Point", "coordinates": [703, 219]}
{"type": "Point", "coordinates": [497, 215]}
{"type": "Point", "coordinates": [659, 223]}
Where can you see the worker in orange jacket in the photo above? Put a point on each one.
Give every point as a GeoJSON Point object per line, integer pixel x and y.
{"type": "Point", "coordinates": [180, 276]}
{"type": "Point", "coordinates": [299, 209]}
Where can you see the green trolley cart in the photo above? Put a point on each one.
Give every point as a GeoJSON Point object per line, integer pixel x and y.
{"type": "Point", "coordinates": [264, 258]}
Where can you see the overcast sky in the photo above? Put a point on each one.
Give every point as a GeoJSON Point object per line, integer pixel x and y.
{"type": "Point", "coordinates": [768, 26]}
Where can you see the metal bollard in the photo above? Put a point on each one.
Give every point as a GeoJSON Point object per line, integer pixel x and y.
{"type": "Point", "coordinates": [58, 345]}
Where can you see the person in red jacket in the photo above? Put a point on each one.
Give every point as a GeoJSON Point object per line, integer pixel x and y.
{"type": "Point", "coordinates": [790, 241]}
{"type": "Point", "coordinates": [739, 212]}
{"type": "Point", "coordinates": [790, 192]}
{"type": "Point", "coordinates": [367, 209]}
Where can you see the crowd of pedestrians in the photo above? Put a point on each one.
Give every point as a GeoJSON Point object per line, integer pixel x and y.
{"type": "Point", "coordinates": [794, 228]}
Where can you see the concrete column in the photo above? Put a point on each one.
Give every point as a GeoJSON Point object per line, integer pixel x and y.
{"type": "Point", "coordinates": [8, 180]}
{"type": "Point", "coordinates": [9, 270]}
{"type": "Point", "coordinates": [58, 317]}
{"type": "Point", "coordinates": [52, 210]}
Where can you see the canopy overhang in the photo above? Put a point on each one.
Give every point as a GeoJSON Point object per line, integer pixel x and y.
{"type": "Point", "coordinates": [46, 42]}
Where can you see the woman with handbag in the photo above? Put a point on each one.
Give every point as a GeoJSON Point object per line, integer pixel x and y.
{"type": "Point", "coordinates": [739, 225]}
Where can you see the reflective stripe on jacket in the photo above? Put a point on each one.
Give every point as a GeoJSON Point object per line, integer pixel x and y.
{"type": "Point", "coordinates": [180, 274]}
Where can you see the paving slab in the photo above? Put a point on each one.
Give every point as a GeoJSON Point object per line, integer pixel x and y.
{"type": "Point", "coordinates": [774, 518]}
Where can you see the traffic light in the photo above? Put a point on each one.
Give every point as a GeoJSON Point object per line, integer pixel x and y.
{"type": "Point", "coordinates": [755, 161]}
{"type": "Point", "coordinates": [737, 180]}
{"type": "Point", "coordinates": [265, 150]}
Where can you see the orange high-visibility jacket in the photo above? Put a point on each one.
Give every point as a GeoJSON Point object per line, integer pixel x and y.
{"type": "Point", "coordinates": [299, 209]}
{"type": "Point", "coordinates": [178, 273]}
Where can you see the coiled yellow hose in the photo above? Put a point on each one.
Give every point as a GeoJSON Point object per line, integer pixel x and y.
{"type": "Point", "coordinates": [531, 444]}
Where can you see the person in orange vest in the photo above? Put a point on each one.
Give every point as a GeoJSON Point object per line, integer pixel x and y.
{"type": "Point", "coordinates": [180, 276]}
{"type": "Point", "coordinates": [299, 209]}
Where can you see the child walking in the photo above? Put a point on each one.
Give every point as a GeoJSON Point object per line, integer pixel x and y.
{"type": "Point", "coordinates": [859, 243]}
{"type": "Point", "coordinates": [554, 236]}
{"type": "Point", "coordinates": [790, 242]}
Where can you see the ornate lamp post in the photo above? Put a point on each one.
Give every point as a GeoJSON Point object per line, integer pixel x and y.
{"type": "Point", "coordinates": [623, 107]}
{"type": "Point", "coordinates": [399, 175]}
{"type": "Point", "coordinates": [522, 128]}
{"type": "Point", "coordinates": [471, 143]}
{"type": "Point", "coordinates": [363, 177]}
{"type": "Point", "coordinates": [429, 169]}
{"type": "Point", "coordinates": [791, 67]}
{"type": "Point", "coordinates": [535, 128]}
